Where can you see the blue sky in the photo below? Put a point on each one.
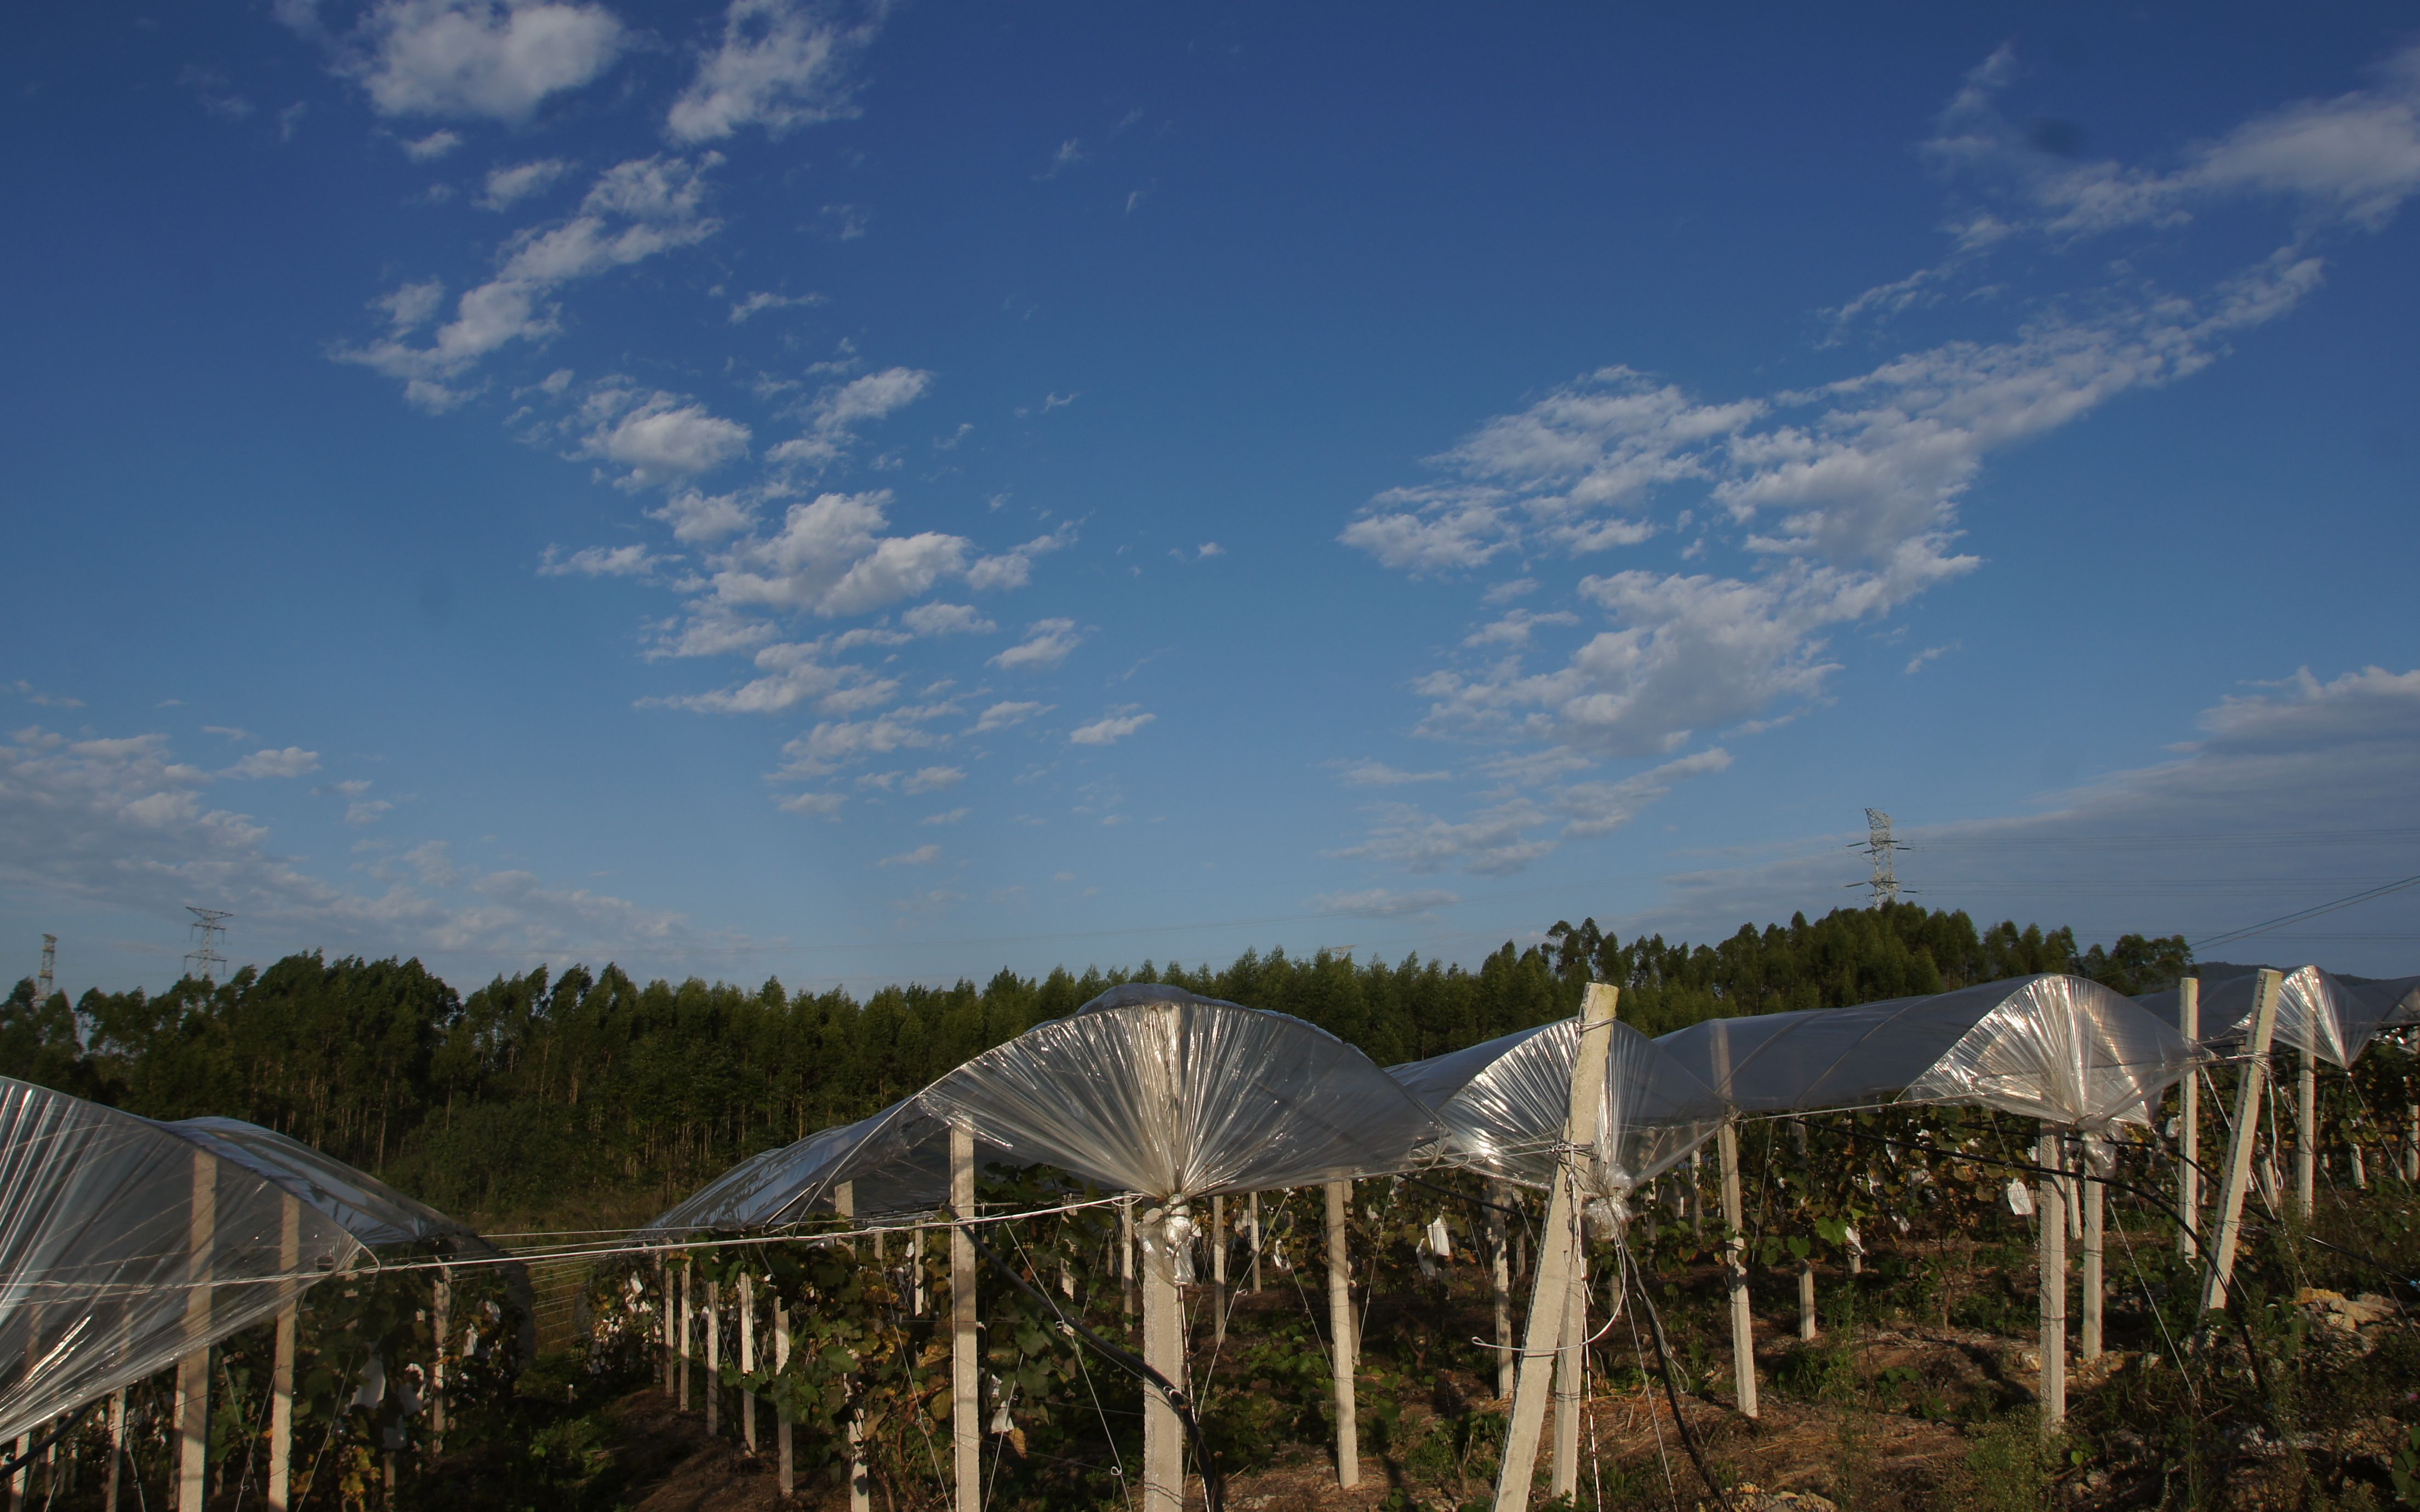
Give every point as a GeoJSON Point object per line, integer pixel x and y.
{"type": "Point", "coordinates": [883, 494]}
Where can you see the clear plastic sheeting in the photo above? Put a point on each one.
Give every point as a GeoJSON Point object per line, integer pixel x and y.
{"type": "Point", "coordinates": [2334, 1018]}
{"type": "Point", "coordinates": [2062, 1049]}
{"type": "Point", "coordinates": [1146, 1089]}
{"type": "Point", "coordinates": [364, 1207]}
{"type": "Point", "coordinates": [895, 1162]}
{"type": "Point", "coordinates": [125, 1244]}
{"type": "Point", "coordinates": [1151, 1089]}
{"type": "Point", "coordinates": [1506, 1104]}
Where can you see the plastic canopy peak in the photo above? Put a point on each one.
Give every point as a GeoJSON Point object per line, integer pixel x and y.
{"type": "Point", "coordinates": [2337, 1019]}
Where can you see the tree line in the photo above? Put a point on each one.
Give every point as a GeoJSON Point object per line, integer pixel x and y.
{"type": "Point", "coordinates": [586, 1099]}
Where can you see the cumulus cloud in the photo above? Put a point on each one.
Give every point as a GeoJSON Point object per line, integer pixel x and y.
{"type": "Point", "coordinates": [659, 438]}
{"type": "Point", "coordinates": [291, 762]}
{"type": "Point", "coordinates": [830, 557]}
{"type": "Point", "coordinates": [1014, 568]}
{"type": "Point", "coordinates": [1601, 808]}
{"type": "Point", "coordinates": [946, 619]}
{"type": "Point", "coordinates": [780, 64]}
{"type": "Point", "coordinates": [1111, 728]}
{"type": "Point", "coordinates": [508, 185]}
{"type": "Point", "coordinates": [478, 57]}
{"type": "Point", "coordinates": [1046, 644]}
{"type": "Point", "coordinates": [700, 517]}
{"type": "Point", "coordinates": [1004, 714]}
{"type": "Point", "coordinates": [835, 743]}
{"type": "Point", "coordinates": [932, 780]}
{"type": "Point", "coordinates": [757, 303]}
{"type": "Point", "coordinates": [599, 562]}
{"type": "Point", "coordinates": [631, 212]}
{"type": "Point", "coordinates": [921, 856]}
{"type": "Point", "coordinates": [433, 146]}
{"type": "Point", "coordinates": [837, 413]}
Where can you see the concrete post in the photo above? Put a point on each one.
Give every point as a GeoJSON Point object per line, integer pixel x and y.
{"type": "Point", "coordinates": [2089, 1344]}
{"type": "Point", "coordinates": [194, 1370]}
{"type": "Point", "coordinates": [2238, 1149]}
{"type": "Point", "coordinates": [1163, 1350]}
{"type": "Point", "coordinates": [2189, 1123]}
{"type": "Point", "coordinates": [782, 1415]}
{"type": "Point", "coordinates": [2307, 1118]}
{"type": "Point", "coordinates": [116, 1449]}
{"type": "Point", "coordinates": [1499, 1196]}
{"type": "Point", "coordinates": [1548, 1301]}
{"type": "Point", "coordinates": [1571, 1367]}
{"type": "Point", "coordinates": [747, 1359]}
{"type": "Point", "coordinates": [281, 1372]}
{"type": "Point", "coordinates": [966, 1359]}
{"type": "Point", "coordinates": [1735, 1271]}
{"type": "Point", "coordinates": [1345, 1352]}
{"type": "Point", "coordinates": [1254, 1203]}
{"type": "Point", "coordinates": [440, 1317]}
{"type": "Point", "coordinates": [2053, 1286]}
{"type": "Point", "coordinates": [713, 1357]}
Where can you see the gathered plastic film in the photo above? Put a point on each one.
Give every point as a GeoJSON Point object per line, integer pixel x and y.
{"type": "Point", "coordinates": [2054, 1047]}
{"type": "Point", "coordinates": [1506, 1104]}
{"type": "Point", "coordinates": [2333, 1019]}
{"type": "Point", "coordinates": [2064, 1050]}
{"type": "Point", "coordinates": [125, 1244]}
{"type": "Point", "coordinates": [1152, 1090]}
{"type": "Point", "coordinates": [364, 1207]}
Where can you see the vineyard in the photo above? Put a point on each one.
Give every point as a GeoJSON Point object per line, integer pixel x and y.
{"type": "Point", "coordinates": [1844, 1305]}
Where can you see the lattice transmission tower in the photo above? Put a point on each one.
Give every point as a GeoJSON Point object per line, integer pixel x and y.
{"type": "Point", "coordinates": [45, 984]}
{"type": "Point", "coordinates": [209, 927]}
{"type": "Point", "coordinates": [1879, 845]}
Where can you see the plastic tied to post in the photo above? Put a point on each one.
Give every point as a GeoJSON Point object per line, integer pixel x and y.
{"type": "Point", "coordinates": [1506, 1106]}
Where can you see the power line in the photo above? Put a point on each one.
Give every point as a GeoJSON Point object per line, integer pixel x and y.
{"type": "Point", "coordinates": [2314, 911]}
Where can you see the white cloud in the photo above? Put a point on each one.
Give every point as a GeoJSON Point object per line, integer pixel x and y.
{"type": "Point", "coordinates": [1490, 842]}
{"type": "Point", "coordinates": [1014, 568]}
{"type": "Point", "coordinates": [698, 517]}
{"type": "Point", "coordinates": [366, 811]}
{"type": "Point", "coordinates": [1514, 628]}
{"type": "Point", "coordinates": [1109, 729]}
{"type": "Point", "coordinates": [509, 186]}
{"type": "Point", "coordinates": [921, 856]}
{"type": "Point", "coordinates": [478, 57]}
{"type": "Point", "coordinates": [946, 619]}
{"type": "Point", "coordinates": [54, 700]}
{"type": "Point", "coordinates": [2305, 785]}
{"type": "Point", "coordinates": [1928, 653]}
{"type": "Point", "coordinates": [835, 743]}
{"type": "Point", "coordinates": [780, 64]}
{"type": "Point", "coordinates": [597, 561]}
{"type": "Point", "coordinates": [1378, 903]}
{"type": "Point", "coordinates": [820, 805]}
{"type": "Point", "coordinates": [757, 303]}
{"type": "Point", "coordinates": [1377, 774]}
{"type": "Point", "coordinates": [932, 780]}
{"type": "Point", "coordinates": [660, 438]}
{"type": "Point", "coordinates": [433, 146]}
{"type": "Point", "coordinates": [633, 212]}
{"type": "Point", "coordinates": [836, 414]}
{"type": "Point", "coordinates": [116, 822]}
{"type": "Point", "coordinates": [1046, 644]}
{"type": "Point", "coordinates": [949, 816]}
{"type": "Point", "coordinates": [792, 673]}
{"type": "Point", "coordinates": [2353, 160]}
{"type": "Point", "coordinates": [1004, 714]}
{"type": "Point", "coordinates": [291, 762]}
{"type": "Point", "coordinates": [1601, 808]}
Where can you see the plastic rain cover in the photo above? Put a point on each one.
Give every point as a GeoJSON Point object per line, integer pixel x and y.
{"type": "Point", "coordinates": [366, 1207]}
{"type": "Point", "coordinates": [2061, 1049]}
{"type": "Point", "coordinates": [1505, 1104]}
{"type": "Point", "coordinates": [2342, 1017]}
{"type": "Point", "coordinates": [124, 1244]}
{"type": "Point", "coordinates": [896, 1161]}
{"type": "Point", "coordinates": [1151, 1089]}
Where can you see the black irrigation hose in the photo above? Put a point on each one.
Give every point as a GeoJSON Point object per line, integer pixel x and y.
{"type": "Point", "coordinates": [1672, 1392]}
{"type": "Point", "coordinates": [43, 1442]}
{"type": "Point", "coordinates": [1214, 1482]}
